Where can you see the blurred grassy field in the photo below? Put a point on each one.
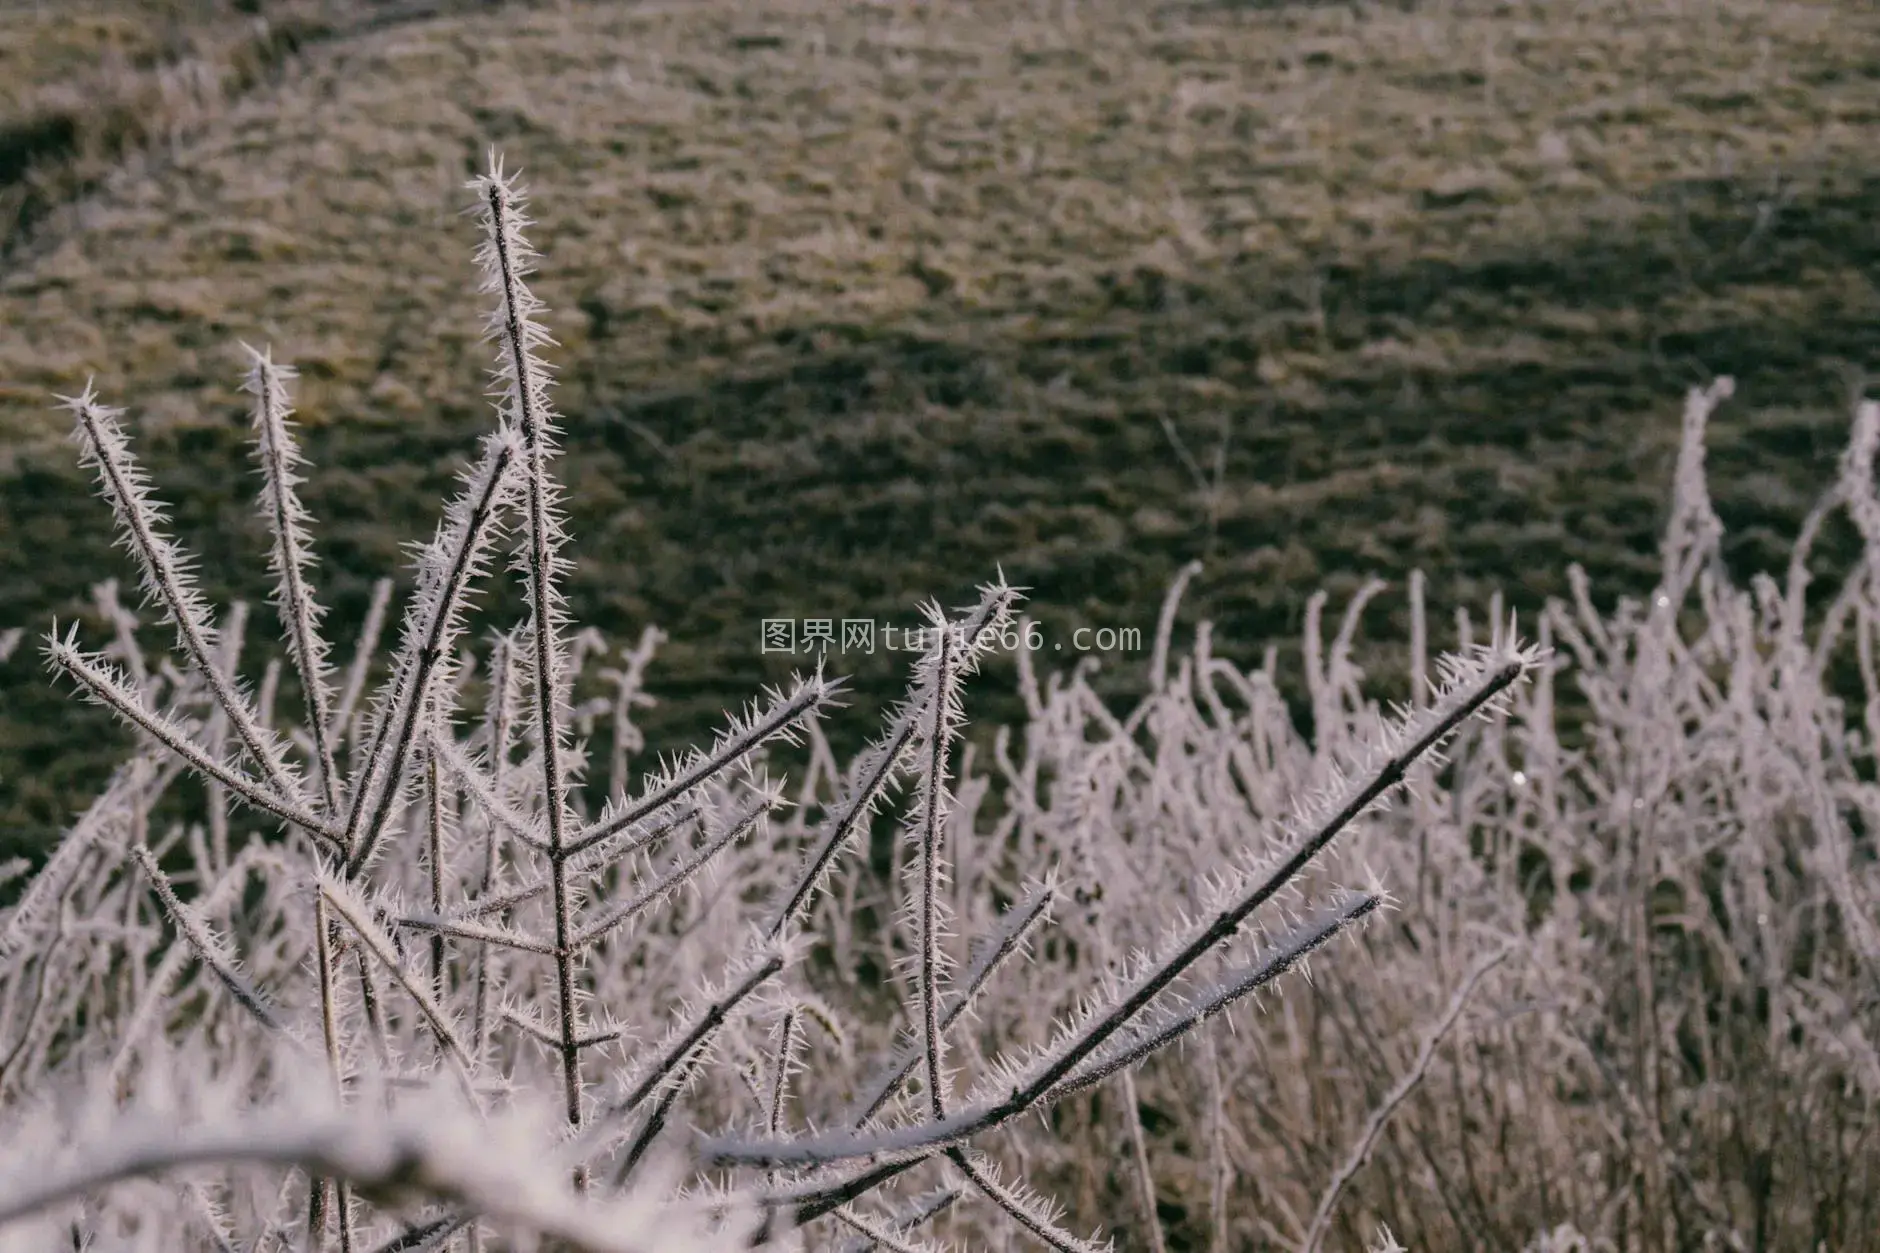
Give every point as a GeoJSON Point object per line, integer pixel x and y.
{"type": "Point", "coordinates": [859, 301]}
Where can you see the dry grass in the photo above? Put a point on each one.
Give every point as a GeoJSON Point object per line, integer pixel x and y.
{"type": "Point", "coordinates": [736, 175]}
{"type": "Point", "coordinates": [910, 291]}
{"type": "Point", "coordinates": [97, 88]}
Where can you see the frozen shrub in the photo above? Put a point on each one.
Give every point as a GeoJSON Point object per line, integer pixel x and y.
{"type": "Point", "coordinates": [428, 992]}
{"type": "Point", "coordinates": [1673, 905]}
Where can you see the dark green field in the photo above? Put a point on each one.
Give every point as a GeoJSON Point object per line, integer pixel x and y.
{"type": "Point", "coordinates": [856, 308]}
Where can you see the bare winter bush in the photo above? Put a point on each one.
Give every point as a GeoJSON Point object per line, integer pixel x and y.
{"type": "Point", "coordinates": [438, 995]}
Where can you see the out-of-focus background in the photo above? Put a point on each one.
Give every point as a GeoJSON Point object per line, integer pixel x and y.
{"type": "Point", "coordinates": [858, 302]}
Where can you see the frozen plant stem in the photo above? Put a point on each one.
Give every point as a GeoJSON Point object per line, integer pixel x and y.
{"type": "Point", "coordinates": [933, 822]}
{"type": "Point", "coordinates": [166, 576]}
{"type": "Point", "coordinates": [292, 557]}
{"type": "Point", "coordinates": [504, 255]}
{"type": "Point", "coordinates": [445, 572]}
{"type": "Point", "coordinates": [329, 1035]}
